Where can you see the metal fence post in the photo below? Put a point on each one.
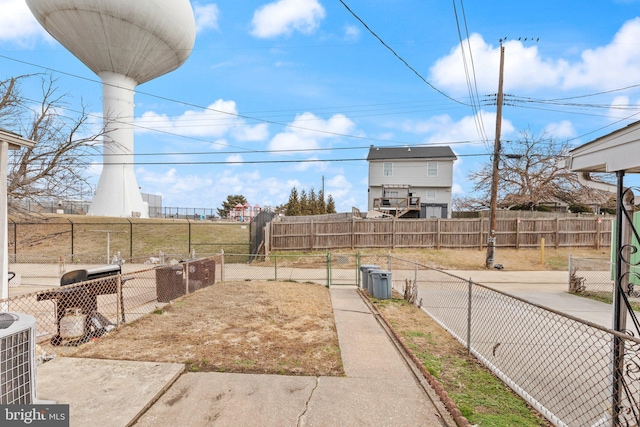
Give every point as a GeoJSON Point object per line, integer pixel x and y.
{"type": "Point", "coordinates": [186, 278]}
{"type": "Point", "coordinates": [72, 250]}
{"type": "Point", "coordinates": [119, 307]}
{"type": "Point", "coordinates": [469, 318]}
{"type": "Point", "coordinates": [130, 240]}
{"type": "Point", "coordinates": [275, 267]}
{"type": "Point", "coordinates": [329, 270]}
{"type": "Point", "coordinates": [222, 265]}
{"type": "Point", "coordinates": [389, 261]}
{"type": "Point", "coordinates": [570, 273]}
{"type": "Point", "coordinates": [15, 239]}
{"type": "Point", "coordinates": [189, 222]}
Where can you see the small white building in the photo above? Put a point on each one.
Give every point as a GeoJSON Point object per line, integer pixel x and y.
{"type": "Point", "coordinates": [411, 182]}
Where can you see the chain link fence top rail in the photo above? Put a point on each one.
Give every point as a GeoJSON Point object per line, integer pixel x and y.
{"type": "Point", "coordinates": [93, 240]}
{"type": "Point", "coordinates": [77, 312]}
{"type": "Point", "coordinates": [560, 364]}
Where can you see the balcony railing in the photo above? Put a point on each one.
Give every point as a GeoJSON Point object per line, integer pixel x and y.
{"type": "Point", "coordinates": [398, 205]}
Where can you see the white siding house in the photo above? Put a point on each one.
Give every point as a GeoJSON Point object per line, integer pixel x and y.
{"type": "Point", "coordinates": [411, 182]}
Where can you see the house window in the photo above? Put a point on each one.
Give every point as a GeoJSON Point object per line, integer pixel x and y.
{"type": "Point", "coordinates": [387, 169]}
{"type": "Point", "coordinates": [431, 194]}
{"type": "Point", "coordinates": [432, 169]}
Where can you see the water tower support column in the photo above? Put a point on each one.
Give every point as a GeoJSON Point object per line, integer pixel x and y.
{"type": "Point", "coordinates": [118, 193]}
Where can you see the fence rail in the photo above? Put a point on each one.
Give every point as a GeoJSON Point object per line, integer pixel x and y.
{"type": "Point", "coordinates": [92, 240]}
{"type": "Point", "coordinates": [315, 234]}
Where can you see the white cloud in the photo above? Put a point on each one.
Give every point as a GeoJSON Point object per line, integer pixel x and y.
{"type": "Point", "coordinates": [292, 141]}
{"type": "Point", "coordinates": [170, 183]}
{"type": "Point", "coordinates": [258, 132]}
{"type": "Point", "coordinates": [18, 25]}
{"type": "Point", "coordinates": [457, 189]}
{"type": "Point", "coordinates": [339, 181]}
{"type": "Point", "coordinates": [282, 17]}
{"type": "Point", "coordinates": [560, 130]}
{"type": "Point", "coordinates": [443, 129]}
{"type": "Point", "coordinates": [168, 177]}
{"type": "Point", "coordinates": [235, 160]}
{"type": "Point", "coordinates": [206, 16]}
{"type": "Point", "coordinates": [616, 64]}
{"type": "Point", "coordinates": [341, 190]}
{"type": "Point", "coordinates": [308, 130]}
{"type": "Point", "coordinates": [257, 189]}
{"type": "Point", "coordinates": [352, 33]}
{"type": "Point", "coordinates": [216, 121]}
{"type": "Point", "coordinates": [622, 108]}
{"type": "Point", "coordinates": [523, 67]}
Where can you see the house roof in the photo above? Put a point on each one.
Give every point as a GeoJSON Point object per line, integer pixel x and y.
{"type": "Point", "coordinates": [409, 153]}
{"type": "Point", "coordinates": [609, 153]}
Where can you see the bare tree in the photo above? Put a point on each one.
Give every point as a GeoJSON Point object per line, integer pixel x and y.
{"type": "Point", "coordinates": [532, 171]}
{"type": "Point", "coordinates": [56, 167]}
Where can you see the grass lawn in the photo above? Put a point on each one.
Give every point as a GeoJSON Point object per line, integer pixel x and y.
{"type": "Point", "coordinates": [481, 397]}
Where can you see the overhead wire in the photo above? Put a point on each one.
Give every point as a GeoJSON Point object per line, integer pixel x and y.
{"type": "Point", "coordinates": [471, 80]}
{"type": "Point", "coordinates": [374, 34]}
{"type": "Point", "coordinates": [213, 110]}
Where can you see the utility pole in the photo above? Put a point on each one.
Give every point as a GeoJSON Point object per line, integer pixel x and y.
{"type": "Point", "coordinates": [493, 207]}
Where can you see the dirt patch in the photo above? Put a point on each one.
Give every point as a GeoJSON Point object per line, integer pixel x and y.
{"type": "Point", "coordinates": [250, 327]}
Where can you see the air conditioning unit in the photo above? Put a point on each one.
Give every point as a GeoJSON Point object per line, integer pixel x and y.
{"type": "Point", "coordinates": [17, 359]}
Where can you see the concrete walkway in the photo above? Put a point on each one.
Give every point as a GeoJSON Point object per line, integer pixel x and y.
{"type": "Point", "coordinates": [379, 388]}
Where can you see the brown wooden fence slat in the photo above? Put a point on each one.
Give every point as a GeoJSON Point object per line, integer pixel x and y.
{"type": "Point", "coordinates": [439, 233]}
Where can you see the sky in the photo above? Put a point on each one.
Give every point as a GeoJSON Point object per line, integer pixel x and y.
{"type": "Point", "coordinates": [292, 93]}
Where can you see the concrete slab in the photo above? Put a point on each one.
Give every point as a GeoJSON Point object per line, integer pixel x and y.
{"type": "Point", "coordinates": [104, 392]}
{"type": "Point", "coordinates": [365, 348]}
{"type": "Point", "coordinates": [208, 398]}
{"type": "Point", "coordinates": [517, 279]}
{"type": "Point", "coordinates": [370, 402]}
{"type": "Point", "coordinates": [548, 289]}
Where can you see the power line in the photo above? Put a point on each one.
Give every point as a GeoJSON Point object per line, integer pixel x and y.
{"type": "Point", "coordinates": [471, 87]}
{"type": "Point", "coordinates": [239, 162]}
{"type": "Point", "coordinates": [221, 112]}
{"type": "Point", "coordinates": [398, 56]}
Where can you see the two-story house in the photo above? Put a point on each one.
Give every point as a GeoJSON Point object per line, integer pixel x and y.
{"type": "Point", "coordinates": [411, 182]}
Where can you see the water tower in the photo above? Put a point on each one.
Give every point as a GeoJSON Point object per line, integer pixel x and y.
{"type": "Point", "coordinates": [126, 43]}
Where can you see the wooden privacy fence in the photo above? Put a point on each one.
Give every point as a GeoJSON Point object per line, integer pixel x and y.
{"type": "Point", "coordinates": [437, 233]}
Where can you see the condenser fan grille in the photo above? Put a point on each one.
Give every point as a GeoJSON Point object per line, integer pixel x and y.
{"type": "Point", "coordinates": [17, 369]}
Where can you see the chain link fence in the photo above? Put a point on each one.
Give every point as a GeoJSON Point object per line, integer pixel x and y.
{"type": "Point", "coordinates": [42, 270]}
{"type": "Point", "coordinates": [561, 365]}
{"type": "Point", "coordinates": [78, 310]}
{"type": "Point", "coordinates": [593, 277]}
